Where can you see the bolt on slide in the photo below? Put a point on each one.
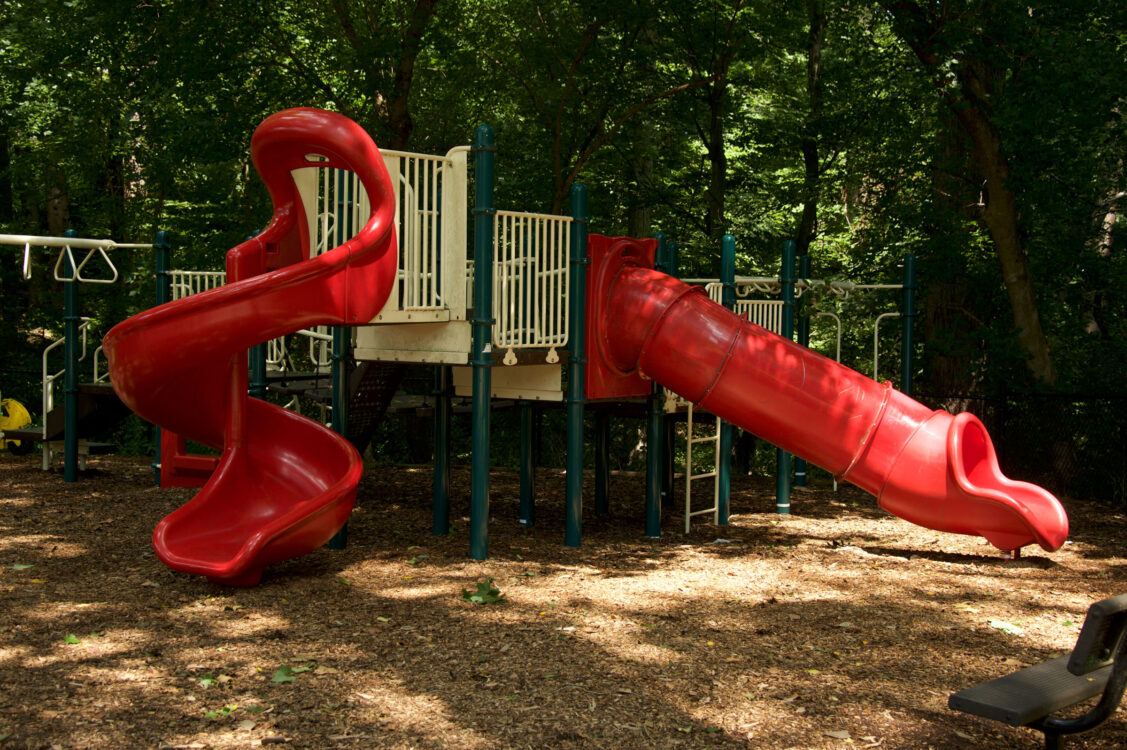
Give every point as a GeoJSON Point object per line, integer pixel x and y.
{"type": "Point", "coordinates": [928, 467]}
{"type": "Point", "coordinates": [284, 484]}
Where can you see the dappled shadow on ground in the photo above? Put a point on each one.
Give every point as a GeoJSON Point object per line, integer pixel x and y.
{"type": "Point", "coordinates": [773, 632]}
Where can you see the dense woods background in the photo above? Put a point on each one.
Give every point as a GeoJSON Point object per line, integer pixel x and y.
{"type": "Point", "coordinates": [985, 136]}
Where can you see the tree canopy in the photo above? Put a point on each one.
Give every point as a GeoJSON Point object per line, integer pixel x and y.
{"type": "Point", "coordinates": [985, 136]}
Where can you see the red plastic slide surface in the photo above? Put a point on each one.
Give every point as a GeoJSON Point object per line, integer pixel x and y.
{"type": "Point", "coordinates": [284, 484]}
{"type": "Point", "coordinates": [929, 467]}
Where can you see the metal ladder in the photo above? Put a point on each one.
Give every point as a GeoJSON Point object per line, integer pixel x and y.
{"type": "Point", "coordinates": [690, 442]}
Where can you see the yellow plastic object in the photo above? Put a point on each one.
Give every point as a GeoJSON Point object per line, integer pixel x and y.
{"type": "Point", "coordinates": [13, 416]}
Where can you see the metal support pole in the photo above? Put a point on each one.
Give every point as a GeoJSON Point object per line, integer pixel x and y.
{"type": "Point", "coordinates": [782, 458]}
{"type": "Point", "coordinates": [803, 326]}
{"type": "Point", "coordinates": [724, 449]}
{"type": "Point", "coordinates": [527, 467]}
{"type": "Point", "coordinates": [342, 343]}
{"type": "Point", "coordinates": [577, 366]}
{"type": "Point", "coordinates": [440, 510]}
{"type": "Point", "coordinates": [71, 322]}
{"type": "Point", "coordinates": [668, 265]}
{"type": "Point", "coordinates": [481, 324]}
{"type": "Point", "coordinates": [163, 250]}
{"type": "Point", "coordinates": [654, 423]}
{"type": "Point", "coordinates": [907, 317]}
{"type": "Point", "coordinates": [654, 466]}
{"type": "Point", "coordinates": [257, 354]}
{"type": "Point", "coordinates": [602, 463]}
{"type": "Point", "coordinates": [258, 371]}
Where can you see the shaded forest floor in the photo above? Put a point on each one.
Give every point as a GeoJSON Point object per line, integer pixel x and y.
{"type": "Point", "coordinates": [837, 627]}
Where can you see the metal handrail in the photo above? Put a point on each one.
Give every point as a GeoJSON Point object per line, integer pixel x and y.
{"type": "Point", "coordinates": [876, 340]}
{"type": "Point", "coordinates": [49, 378]}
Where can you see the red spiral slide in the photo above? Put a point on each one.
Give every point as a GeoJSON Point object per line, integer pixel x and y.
{"type": "Point", "coordinates": [928, 467]}
{"type": "Point", "coordinates": [284, 484]}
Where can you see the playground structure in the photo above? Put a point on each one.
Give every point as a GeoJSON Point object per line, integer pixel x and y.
{"type": "Point", "coordinates": [88, 409]}
{"type": "Point", "coordinates": [785, 317]}
{"type": "Point", "coordinates": [13, 416]}
{"type": "Point", "coordinates": [377, 242]}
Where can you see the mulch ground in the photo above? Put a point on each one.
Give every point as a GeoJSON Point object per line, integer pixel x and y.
{"type": "Point", "coordinates": [836, 627]}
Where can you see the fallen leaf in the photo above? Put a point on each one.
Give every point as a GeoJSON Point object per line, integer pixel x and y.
{"type": "Point", "coordinates": [246, 725]}
{"type": "Point", "coordinates": [326, 670]}
{"type": "Point", "coordinates": [1005, 627]}
{"type": "Point", "coordinates": [837, 734]}
{"type": "Point", "coordinates": [284, 673]}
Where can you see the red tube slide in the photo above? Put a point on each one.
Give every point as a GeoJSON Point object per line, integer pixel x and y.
{"type": "Point", "coordinates": [928, 467]}
{"type": "Point", "coordinates": [284, 484]}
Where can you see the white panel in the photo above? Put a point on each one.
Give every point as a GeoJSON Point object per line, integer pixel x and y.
{"type": "Point", "coordinates": [528, 382]}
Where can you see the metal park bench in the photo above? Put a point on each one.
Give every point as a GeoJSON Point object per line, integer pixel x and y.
{"type": "Point", "coordinates": [1030, 697]}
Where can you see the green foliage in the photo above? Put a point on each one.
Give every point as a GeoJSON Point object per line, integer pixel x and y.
{"type": "Point", "coordinates": [221, 712]}
{"type": "Point", "coordinates": [288, 673]}
{"type": "Point", "coordinates": [117, 119]}
{"type": "Point", "coordinates": [484, 594]}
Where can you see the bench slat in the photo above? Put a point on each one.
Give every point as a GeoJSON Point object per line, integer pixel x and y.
{"type": "Point", "coordinates": [1030, 694]}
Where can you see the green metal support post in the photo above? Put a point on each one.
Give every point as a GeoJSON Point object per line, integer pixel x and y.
{"type": "Point", "coordinates": [724, 450]}
{"type": "Point", "coordinates": [782, 458]}
{"type": "Point", "coordinates": [258, 371]}
{"type": "Point", "coordinates": [527, 467]}
{"type": "Point", "coordinates": [441, 507]}
{"type": "Point", "coordinates": [163, 250]}
{"type": "Point", "coordinates": [577, 367]}
{"type": "Point", "coordinates": [669, 421]}
{"type": "Point", "coordinates": [342, 344]}
{"type": "Point", "coordinates": [803, 327]}
{"type": "Point", "coordinates": [481, 325]}
{"type": "Point", "coordinates": [654, 465]}
{"type": "Point", "coordinates": [71, 322]}
{"type": "Point", "coordinates": [907, 317]}
{"type": "Point", "coordinates": [654, 424]}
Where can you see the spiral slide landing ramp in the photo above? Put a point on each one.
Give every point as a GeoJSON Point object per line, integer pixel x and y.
{"type": "Point", "coordinates": [284, 484]}
{"type": "Point", "coordinates": [928, 467]}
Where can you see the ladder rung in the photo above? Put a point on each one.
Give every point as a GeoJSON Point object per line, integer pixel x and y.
{"type": "Point", "coordinates": [709, 475]}
{"type": "Point", "coordinates": [713, 439]}
{"type": "Point", "coordinates": [702, 512]}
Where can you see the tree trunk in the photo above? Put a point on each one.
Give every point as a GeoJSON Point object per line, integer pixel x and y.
{"type": "Point", "coordinates": [717, 193]}
{"type": "Point", "coordinates": [399, 101]}
{"type": "Point", "coordinates": [1000, 217]}
{"type": "Point", "coordinates": [717, 153]}
{"type": "Point", "coordinates": [57, 200]}
{"type": "Point", "coordinates": [112, 185]}
{"type": "Point", "coordinates": [970, 102]}
{"type": "Point", "coordinates": [7, 209]}
{"type": "Point", "coordinates": [808, 224]}
{"type": "Point", "coordinates": [641, 209]}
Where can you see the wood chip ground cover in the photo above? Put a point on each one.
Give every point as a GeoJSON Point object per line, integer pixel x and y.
{"type": "Point", "coordinates": [836, 627]}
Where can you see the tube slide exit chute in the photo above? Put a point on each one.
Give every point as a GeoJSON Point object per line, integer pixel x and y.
{"type": "Point", "coordinates": [284, 484]}
{"type": "Point", "coordinates": [928, 467]}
